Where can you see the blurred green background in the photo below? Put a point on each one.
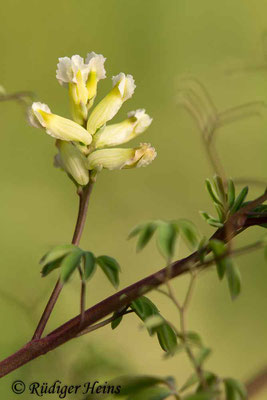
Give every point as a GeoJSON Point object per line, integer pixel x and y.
{"type": "Point", "coordinates": [157, 42]}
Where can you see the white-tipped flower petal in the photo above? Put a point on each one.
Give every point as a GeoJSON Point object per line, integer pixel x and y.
{"type": "Point", "coordinates": [35, 117]}
{"type": "Point", "coordinates": [125, 84]}
{"type": "Point", "coordinates": [140, 119]}
{"type": "Point", "coordinates": [73, 72]}
{"type": "Point", "coordinates": [97, 71]}
{"type": "Point", "coordinates": [137, 122]}
{"type": "Point", "coordinates": [145, 155]}
{"type": "Point", "coordinates": [96, 64]}
{"type": "Point", "coordinates": [121, 158]}
{"type": "Point", "coordinates": [64, 73]}
{"type": "Point", "coordinates": [56, 126]}
{"type": "Point", "coordinates": [107, 108]}
{"type": "Point", "coordinates": [67, 69]}
{"type": "Point", "coordinates": [73, 162]}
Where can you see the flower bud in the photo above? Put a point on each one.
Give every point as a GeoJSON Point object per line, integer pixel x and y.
{"type": "Point", "coordinates": [108, 107]}
{"type": "Point", "coordinates": [97, 70]}
{"type": "Point", "coordinates": [56, 126]}
{"type": "Point", "coordinates": [112, 135]}
{"type": "Point", "coordinates": [121, 158]}
{"type": "Point", "coordinates": [72, 161]}
{"type": "Point", "coordinates": [67, 69]}
{"type": "Point", "coordinates": [82, 78]}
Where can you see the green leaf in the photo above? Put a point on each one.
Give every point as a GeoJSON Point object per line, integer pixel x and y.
{"type": "Point", "coordinates": [69, 263]}
{"type": "Point", "coordinates": [233, 387]}
{"type": "Point", "coordinates": [56, 253]}
{"type": "Point", "coordinates": [156, 393]}
{"type": "Point", "coordinates": [194, 338]}
{"type": "Point", "coordinates": [144, 308]}
{"type": "Point", "coordinates": [188, 231]}
{"type": "Point", "coordinates": [239, 200]}
{"type": "Point", "coordinates": [219, 250]}
{"type": "Point", "coordinates": [166, 239]}
{"type": "Point", "coordinates": [135, 384]}
{"type": "Point", "coordinates": [203, 354]}
{"type": "Point", "coordinates": [154, 321]}
{"type": "Point", "coordinates": [231, 193]}
{"type": "Point", "coordinates": [111, 269]}
{"type": "Point", "coordinates": [202, 248]}
{"type": "Point", "coordinates": [194, 379]}
{"type": "Point", "coordinates": [212, 192]}
{"type": "Point", "coordinates": [145, 235]}
{"type": "Point", "coordinates": [220, 213]}
{"type": "Point", "coordinates": [138, 307]}
{"type": "Point", "coordinates": [205, 215]}
{"type": "Point", "coordinates": [262, 208]}
{"type": "Point", "coordinates": [230, 393]}
{"type": "Point", "coordinates": [211, 383]}
{"type": "Point", "coordinates": [89, 265]}
{"type": "Point", "coordinates": [167, 338]}
{"type": "Point", "coordinates": [234, 279]}
{"type": "Point", "coordinates": [215, 223]}
{"type": "Point", "coordinates": [116, 322]}
{"type": "Point", "coordinates": [50, 267]}
{"type": "Point", "coordinates": [136, 230]}
{"type": "Point", "coordinates": [220, 188]}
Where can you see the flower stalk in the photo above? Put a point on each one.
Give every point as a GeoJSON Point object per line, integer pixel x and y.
{"type": "Point", "coordinates": [84, 197]}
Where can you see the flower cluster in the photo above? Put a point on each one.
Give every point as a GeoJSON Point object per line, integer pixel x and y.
{"type": "Point", "coordinates": [84, 142]}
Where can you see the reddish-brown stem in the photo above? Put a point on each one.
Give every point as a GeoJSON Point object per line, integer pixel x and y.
{"type": "Point", "coordinates": [84, 196]}
{"type": "Point", "coordinates": [82, 305]}
{"type": "Point", "coordinates": [257, 383]}
{"type": "Point", "coordinates": [48, 310]}
{"type": "Point", "coordinates": [37, 347]}
{"type": "Point", "coordinates": [116, 302]}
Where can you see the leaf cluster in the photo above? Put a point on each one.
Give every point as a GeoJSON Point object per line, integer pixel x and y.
{"type": "Point", "coordinates": [69, 258]}
{"type": "Point", "coordinates": [224, 200]}
{"type": "Point", "coordinates": [226, 266]}
{"type": "Point", "coordinates": [167, 233]}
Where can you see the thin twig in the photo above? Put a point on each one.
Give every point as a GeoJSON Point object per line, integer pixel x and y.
{"type": "Point", "coordinates": [18, 96]}
{"type": "Point", "coordinates": [182, 309]}
{"type": "Point", "coordinates": [84, 196]}
{"type": "Point", "coordinates": [190, 290]}
{"type": "Point", "coordinates": [103, 323]}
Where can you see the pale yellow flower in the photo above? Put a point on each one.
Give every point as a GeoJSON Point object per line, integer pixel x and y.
{"type": "Point", "coordinates": [112, 135]}
{"type": "Point", "coordinates": [123, 89]}
{"type": "Point", "coordinates": [121, 158]}
{"type": "Point", "coordinates": [72, 161]}
{"type": "Point", "coordinates": [56, 126]}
